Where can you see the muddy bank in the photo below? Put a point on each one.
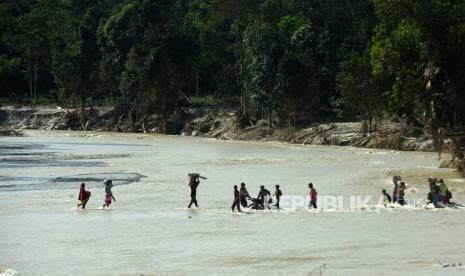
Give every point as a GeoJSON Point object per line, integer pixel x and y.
{"type": "Point", "coordinates": [224, 125]}
{"type": "Point", "coordinates": [388, 135]}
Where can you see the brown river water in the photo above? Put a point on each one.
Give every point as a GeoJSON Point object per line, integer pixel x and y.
{"type": "Point", "coordinates": [149, 230]}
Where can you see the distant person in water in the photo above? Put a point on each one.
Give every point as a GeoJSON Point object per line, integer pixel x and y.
{"type": "Point", "coordinates": [444, 194]}
{"type": "Point", "coordinates": [243, 194]}
{"type": "Point", "coordinates": [433, 196]}
{"type": "Point", "coordinates": [108, 194]}
{"type": "Point", "coordinates": [236, 200]}
{"type": "Point", "coordinates": [278, 195]}
{"type": "Point", "coordinates": [313, 197]}
{"type": "Point", "coordinates": [263, 196]}
{"type": "Point", "coordinates": [83, 196]}
{"type": "Point", "coordinates": [434, 192]}
{"type": "Point", "coordinates": [193, 184]}
{"type": "Point", "coordinates": [395, 180]}
{"type": "Point", "coordinates": [401, 193]}
{"type": "Point", "coordinates": [386, 198]}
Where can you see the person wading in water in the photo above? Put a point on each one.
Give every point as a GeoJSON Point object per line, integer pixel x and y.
{"type": "Point", "coordinates": [243, 194]}
{"type": "Point", "coordinates": [193, 184]}
{"type": "Point", "coordinates": [83, 196]}
{"type": "Point", "coordinates": [278, 195]}
{"type": "Point", "coordinates": [312, 195]}
{"type": "Point", "coordinates": [236, 200]}
{"type": "Point", "coordinates": [108, 194]}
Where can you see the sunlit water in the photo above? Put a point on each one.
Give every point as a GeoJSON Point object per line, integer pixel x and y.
{"type": "Point", "coordinates": [149, 231]}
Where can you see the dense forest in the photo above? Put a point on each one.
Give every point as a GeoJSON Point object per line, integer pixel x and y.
{"type": "Point", "coordinates": [290, 59]}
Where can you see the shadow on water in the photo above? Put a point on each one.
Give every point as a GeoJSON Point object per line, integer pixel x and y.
{"type": "Point", "coordinates": [37, 155]}
{"type": "Point", "coordinates": [14, 163]}
{"type": "Point", "coordinates": [8, 183]}
{"type": "Point", "coordinates": [22, 146]}
{"type": "Point", "coordinates": [30, 155]}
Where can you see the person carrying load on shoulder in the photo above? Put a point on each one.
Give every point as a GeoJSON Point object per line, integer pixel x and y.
{"type": "Point", "coordinates": [278, 195]}
{"type": "Point", "coordinates": [243, 194]}
{"type": "Point", "coordinates": [108, 194]}
{"type": "Point", "coordinates": [236, 200]}
{"type": "Point", "coordinates": [193, 184]}
{"type": "Point", "coordinates": [313, 196]}
{"type": "Point", "coordinates": [83, 196]}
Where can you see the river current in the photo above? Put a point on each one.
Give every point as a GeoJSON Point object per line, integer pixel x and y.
{"type": "Point", "coordinates": [148, 229]}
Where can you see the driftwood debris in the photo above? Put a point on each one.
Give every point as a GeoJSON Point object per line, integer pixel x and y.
{"type": "Point", "coordinates": [312, 137]}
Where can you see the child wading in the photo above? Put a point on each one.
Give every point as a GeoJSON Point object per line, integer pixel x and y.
{"type": "Point", "coordinates": [83, 196]}
{"type": "Point", "coordinates": [108, 194]}
{"type": "Point", "coordinates": [236, 201]}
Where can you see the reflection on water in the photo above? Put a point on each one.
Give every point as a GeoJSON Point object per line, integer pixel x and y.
{"type": "Point", "coordinates": [149, 231]}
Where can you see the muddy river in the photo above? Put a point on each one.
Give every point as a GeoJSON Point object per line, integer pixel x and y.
{"type": "Point", "coordinates": [148, 229]}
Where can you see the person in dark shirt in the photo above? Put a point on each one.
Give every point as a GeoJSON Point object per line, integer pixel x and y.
{"type": "Point", "coordinates": [236, 201]}
{"type": "Point", "coordinates": [263, 196]}
{"type": "Point", "coordinates": [243, 194]}
{"type": "Point", "coordinates": [401, 193]}
{"type": "Point", "coordinates": [193, 184]}
{"type": "Point", "coordinates": [396, 181]}
{"type": "Point", "coordinates": [386, 198]}
{"type": "Point", "coordinates": [278, 195]}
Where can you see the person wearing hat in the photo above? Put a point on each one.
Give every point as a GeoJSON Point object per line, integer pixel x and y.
{"type": "Point", "coordinates": [83, 196]}
{"type": "Point", "coordinates": [108, 194]}
{"type": "Point", "coordinates": [243, 194]}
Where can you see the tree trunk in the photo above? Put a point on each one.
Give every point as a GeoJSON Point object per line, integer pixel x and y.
{"type": "Point", "coordinates": [30, 83]}
{"type": "Point", "coordinates": [83, 109]}
{"type": "Point", "coordinates": [35, 82]}
{"type": "Point", "coordinates": [31, 92]}
{"type": "Point", "coordinates": [288, 120]}
{"type": "Point", "coordinates": [269, 120]}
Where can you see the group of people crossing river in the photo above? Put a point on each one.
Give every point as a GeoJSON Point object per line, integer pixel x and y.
{"type": "Point", "coordinates": [439, 195]}
{"type": "Point", "coordinates": [263, 201]}
{"type": "Point", "coordinates": [84, 195]}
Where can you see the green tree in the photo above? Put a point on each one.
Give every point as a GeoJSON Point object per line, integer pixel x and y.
{"type": "Point", "coordinates": [33, 45]}
{"type": "Point", "coordinates": [361, 93]}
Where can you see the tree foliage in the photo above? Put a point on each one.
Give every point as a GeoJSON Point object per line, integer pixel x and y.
{"type": "Point", "coordinates": [296, 60]}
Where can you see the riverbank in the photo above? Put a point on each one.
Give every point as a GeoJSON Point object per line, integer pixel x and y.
{"type": "Point", "coordinates": [224, 125]}
{"type": "Point", "coordinates": [395, 134]}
